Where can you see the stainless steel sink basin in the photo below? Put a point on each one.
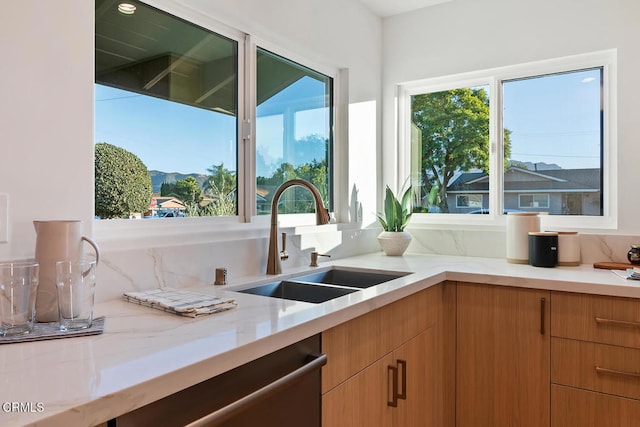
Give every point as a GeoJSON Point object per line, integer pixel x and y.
{"type": "Point", "coordinates": [323, 286]}
{"type": "Point", "coordinates": [299, 291]}
{"type": "Point", "coordinates": [352, 278]}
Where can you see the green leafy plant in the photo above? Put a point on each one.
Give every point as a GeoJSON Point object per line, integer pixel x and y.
{"type": "Point", "coordinates": [397, 212]}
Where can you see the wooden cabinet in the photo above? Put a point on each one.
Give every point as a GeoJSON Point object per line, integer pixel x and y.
{"type": "Point", "coordinates": [572, 407]}
{"type": "Point", "coordinates": [390, 392]}
{"type": "Point", "coordinates": [595, 361]}
{"type": "Point", "coordinates": [598, 367]}
{"type": "Point", "coordinates": [360, 401]}
{"type": "Point", "coordinates": [503, 356]}
{"type": "Point", "coordinates": [596, 318]}
{"type": "Point", "coordinates": [487, 356]}
{"type": "Point", "coordinates": [401, 343]}
{"type": "Point", "coordinates": [416, 361]}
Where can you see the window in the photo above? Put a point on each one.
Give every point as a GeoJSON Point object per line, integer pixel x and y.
{"type": "Point", "coordinates": [554, 125]}
{"type": "Point", "coordinates": [167, 92]}
{"type": "Point", "coordinates": [533, 201]}
{"type": "Point", "coordinates": [468, 200]}
{"type": "Point", "coordinates": [532, 137]}
{"type": "Point", "coordinates": [450, 140]}
{"type": "Point", "coordinates": [293, 132]}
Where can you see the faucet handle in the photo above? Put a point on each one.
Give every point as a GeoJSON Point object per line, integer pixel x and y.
{"type": "Point", "coordinates": [283, 253]}
{"type": "Point", "coordinates": [314, 258]}
{"type": "Point", "coordinates": [221, 276]}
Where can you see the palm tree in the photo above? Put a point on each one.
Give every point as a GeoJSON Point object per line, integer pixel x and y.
{"type": "Point", "coordinates": [220, 186]}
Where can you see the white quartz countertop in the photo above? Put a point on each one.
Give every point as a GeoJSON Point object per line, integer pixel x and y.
{"type": "Point", "coordinates": [145, 354]}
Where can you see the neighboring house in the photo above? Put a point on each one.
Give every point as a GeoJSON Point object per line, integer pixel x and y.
{"type": "Point", "coordinates": [160, 206]}
{"type": "Point", "coordinates": [556, 191]}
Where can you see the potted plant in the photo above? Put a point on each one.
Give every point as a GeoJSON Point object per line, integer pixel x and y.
{"type": "Point", "coordinates": [397, 213]}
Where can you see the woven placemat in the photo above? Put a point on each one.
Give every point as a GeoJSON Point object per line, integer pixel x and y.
{"type": "Point", "coordinates": [51, 330]}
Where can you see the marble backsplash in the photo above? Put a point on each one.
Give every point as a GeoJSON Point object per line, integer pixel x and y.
{"type": "Point", "coordinates": [593, 247]}
{"type": "Point", "coordinates": [192, 265]}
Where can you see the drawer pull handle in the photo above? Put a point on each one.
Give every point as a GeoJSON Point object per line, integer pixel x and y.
{"type": "Point", "coordinates": [603, 321]}
{"type": "Point", "coordinates": [223, 414]}
{"type": "Point", "coordinates": [543, 303]}
{"type": "Point", "coordinates": [614, 372]}
{"type": "Point", "coordinates": [402, 364]}
{"type": "Point", "coordinates": [393, 370]}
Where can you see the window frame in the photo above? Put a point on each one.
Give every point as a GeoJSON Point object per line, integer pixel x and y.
{"type": "Point", "coordinates": [246, 219]}
{"type": "Point", "coordinates": [253, 43]}
{"type": "Point", "coordinates": [494, 77]}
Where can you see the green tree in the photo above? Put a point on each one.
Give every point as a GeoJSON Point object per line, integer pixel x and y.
{"type": "Point", "coordinates": [220, 186]}
{"type": "Point", "coordinates": [316, 173]}
{"type": "Point", "coordinates": [122, 182]}
{"type": "Point", "coordinates": [168, 189]}
{"type": "Point", "coordinates": [285, 172]}
{"type": "Point", "coordinates": [221, 181]}
{"type": "Point", "coordinates": [454, 127]}
{"type": "Point", "coordinates": [188, 190]}
{"type": "Point", "coordinates": [296, 199]}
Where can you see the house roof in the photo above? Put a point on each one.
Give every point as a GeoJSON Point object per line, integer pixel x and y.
{"type": "Point", "coordinates": [167, 203]}
{"type": "Point", "coordinates": [523, 180]}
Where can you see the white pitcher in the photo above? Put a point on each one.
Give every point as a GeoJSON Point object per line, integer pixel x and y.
{"type": "Point", "coordinates": [56, 241]}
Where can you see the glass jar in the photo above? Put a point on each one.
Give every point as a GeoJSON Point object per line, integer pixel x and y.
{"type": "Point", "coordinates": [634, 255]}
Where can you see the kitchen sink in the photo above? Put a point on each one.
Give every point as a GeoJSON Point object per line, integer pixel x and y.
{"type": "Point", "coordinates": [299, 291]}
{"type": "Point", "coordinates": [323, 286]}
{"type": "Point", "coordinates": [352, 278]}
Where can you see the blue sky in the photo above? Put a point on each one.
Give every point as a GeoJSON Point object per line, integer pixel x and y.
{"type": "Point", "coordinates": [555, 119]}
{"type": "Point", "coordinates": [173, 137]}
{"type": "Point", "coordinates": [167, 136]}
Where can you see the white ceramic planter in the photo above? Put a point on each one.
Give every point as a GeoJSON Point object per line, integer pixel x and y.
{"type": "Point", "coordinates": [394, 243]}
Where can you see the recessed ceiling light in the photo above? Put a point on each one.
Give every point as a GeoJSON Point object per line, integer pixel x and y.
{"type": "Point", "coordinates": [126, 8]}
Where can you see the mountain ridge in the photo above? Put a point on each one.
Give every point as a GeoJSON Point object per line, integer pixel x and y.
{"type": "Point", "coordinates": [159, 177]}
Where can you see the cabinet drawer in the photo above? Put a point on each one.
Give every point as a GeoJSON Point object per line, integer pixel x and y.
{"type": "Point", "coordinates": [598, 367]}
{"type": "Point", "coordinates": [572, 407]}
{"type": "Point", "coordinates": [354, 345]}
{"type": "Point", "coordinates": [608, 320]}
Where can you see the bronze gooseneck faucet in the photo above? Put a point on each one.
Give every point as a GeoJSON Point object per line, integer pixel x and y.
{"type": "Point", "coordinates": [322, 217]}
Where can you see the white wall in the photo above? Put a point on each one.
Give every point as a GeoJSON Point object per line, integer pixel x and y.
{"type": "Point", "coordinates": [46, 118]}
{"type": "Point", "coordinates": [46, 92]}
{"type": "Point", "coordinates": [468, 35]}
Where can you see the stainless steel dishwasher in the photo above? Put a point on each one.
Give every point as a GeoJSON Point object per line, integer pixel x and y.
{"type": "Point", "coordinates": [280, 389]}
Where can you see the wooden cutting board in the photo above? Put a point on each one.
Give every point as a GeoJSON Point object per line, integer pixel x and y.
{"type": "Point", "coordinates": [608, 265]}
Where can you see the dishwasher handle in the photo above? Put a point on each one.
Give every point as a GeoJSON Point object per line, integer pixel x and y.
{"type": "Point", "coordinates": [223, 414]}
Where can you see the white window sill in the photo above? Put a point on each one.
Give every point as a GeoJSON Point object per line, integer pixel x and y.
{"type": "Point", "coordinates": [145, 233]}
{"type": "Point", "coordinates": [586, 224]}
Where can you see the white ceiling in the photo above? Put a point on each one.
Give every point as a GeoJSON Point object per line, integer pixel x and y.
{"type": "Point", "coordinates": [385, 8]}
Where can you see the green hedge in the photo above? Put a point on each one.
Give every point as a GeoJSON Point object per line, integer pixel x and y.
{"type": "Point", "coordinates": [122, 182]}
